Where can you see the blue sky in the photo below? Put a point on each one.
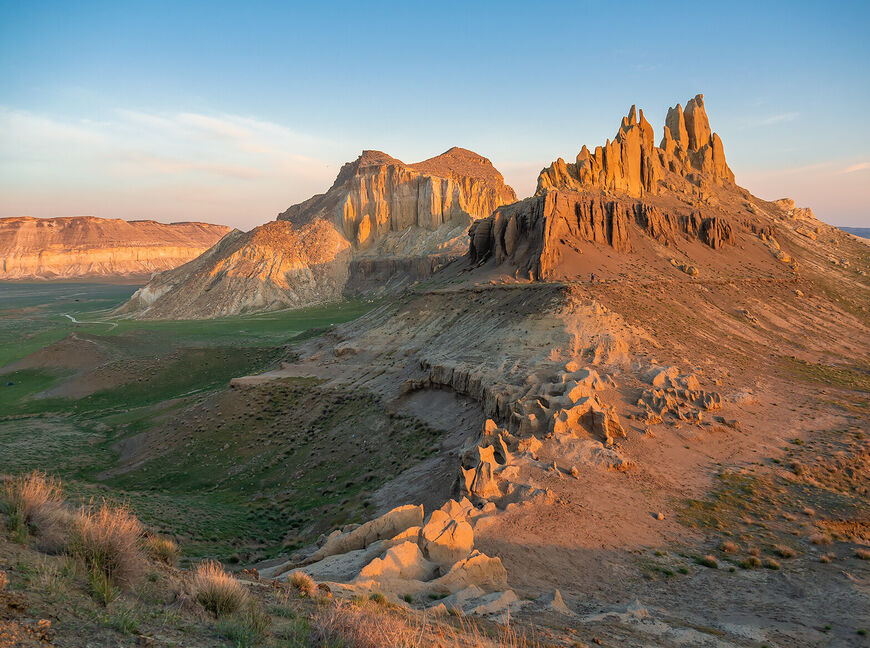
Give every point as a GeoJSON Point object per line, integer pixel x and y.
{"type": "Point", "coordinates": [230, 112]}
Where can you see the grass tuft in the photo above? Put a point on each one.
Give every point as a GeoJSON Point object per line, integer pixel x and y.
{"type": "Point", "coordinates": [163, 550]}
{"type": "Point", "coordinates": [34, 504]}
{"type": "Point", "coordinates": [216, 590]}
{"type": "Point", "coordinates": [303, 583]}
{"type": "Point", "coordinates": [106, 539]}
{"type": "Point", "coordinates": [709, 561]}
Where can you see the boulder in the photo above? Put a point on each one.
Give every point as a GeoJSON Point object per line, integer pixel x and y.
{"type": "Point", "coordinates": [445, 540]}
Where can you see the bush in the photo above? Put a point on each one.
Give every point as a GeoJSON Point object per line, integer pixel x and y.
{"type": "Point", "coordinates": [863, 554]}
{"type": "Point", "coordinates": [162, 549]}
{"type": "Point", "coordinates": [752, 562]}
{"type": "Point", "coordinates": [303, 583]}
{"type": "Point", "coordinates": [820, 539]}
{"type": "Point", "coordinates": [709, 561]}
{"type": "Point", "coordinates": [785, 552]}
{"type": "Point", "coordinates": [106, 539]}
{"type": "Point", "coordinates": [216, 590]}
{"type": "Point", "coordinates": [34, 503]}
{"type": "Point", "coordinates": [4, 580]}
{"type": "Point", "coordinates": [729, 547]}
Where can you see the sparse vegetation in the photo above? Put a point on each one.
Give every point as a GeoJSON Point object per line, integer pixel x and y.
{"type": "Point", "coordinates": [303, 583]}
{"type": "Point", "coordinates": [162, 549]}
{"type": "Point", "coordinates": [105, 537]}
{"type": "Point", "coordinates": [708, 561]}
{"type": "Point", "coordinates": [216, 590]}
{"type": "Point", "coordinates": [34, 505]}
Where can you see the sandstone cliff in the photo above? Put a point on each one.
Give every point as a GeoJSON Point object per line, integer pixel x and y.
{"type": "Point", "coordinates": [381, 225]}
{"type": "Point", "coordinates": [377, 194]}
{"type": "Point", "coordinates": [66, 248]}
{"type": "Point", "coordinates": [627, 195]}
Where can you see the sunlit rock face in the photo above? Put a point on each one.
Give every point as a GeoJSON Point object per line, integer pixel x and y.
{"type": "Point", "coordinates": [621, 196]}
{"type": "Point", "coordinates": [382, 224]}
{"type": "Point", "coordinates": [66, 248]}
{"type": "Point", "coordinates": [377, 194]}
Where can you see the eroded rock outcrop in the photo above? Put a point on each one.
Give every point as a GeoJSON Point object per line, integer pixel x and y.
{"type": "Point", "coordinates": [64, 248]}
{"type": "Point", "coordinates": [401, 553]}
{"type": "Point", "coordinates": [633, 165]}
{"type": "Point", "coordinates": [377, 194]}
{"type": "Point", "coordinates": [626, 189]}
{"type": "Point", "coordinates": [382, 224]}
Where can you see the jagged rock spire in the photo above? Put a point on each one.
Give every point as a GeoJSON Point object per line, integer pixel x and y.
{"type": "Point", "coordinates": [632, 164]}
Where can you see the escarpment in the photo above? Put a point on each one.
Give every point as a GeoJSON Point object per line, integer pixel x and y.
{"type": "Point", "coordinates": [382, 225]}
{"type": "Point", "coordinates": [85, 246]}
{"type": "Point", "coordinates": [676, 202]}
{"type": "Point", "coordinates": [377, 194]}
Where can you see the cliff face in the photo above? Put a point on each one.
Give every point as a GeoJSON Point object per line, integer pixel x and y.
{"type": "Point", "coordinates": [627, 196]}
{"type": "Point", "coordinates": [65, 248]}
{"type": "Point", "coordinates": [381, 225]}
{"type": "Point", "coordinates": [377, 194]}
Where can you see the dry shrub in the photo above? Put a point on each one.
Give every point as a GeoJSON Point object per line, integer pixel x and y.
{"type": "Point", "coordinates": [303, 583]}
{"type": "Point", "coordinates": [216, 590]}
{"type": "Point", "coordinates": [162, 549]}
{"type": "Point", "coordinates": [365, 626]}
{"type": "Point", "coordinates": [729, 547]}
{"type": "Point", "coordinates": [820, 539]}
{"type": "Point", "coordinates": [4, 580]}
{"type": "Point", "coordinates": [106, 539]}
{"type": "Point", "coordinates": [35, 505]}
{"type": "Point", "coordinates": [863, 554]}
{"type": "Point", "coordinates": [785, 552]}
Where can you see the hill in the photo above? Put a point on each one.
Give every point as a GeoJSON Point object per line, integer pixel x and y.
{"type": "Point", "coordinates": [383, 224]}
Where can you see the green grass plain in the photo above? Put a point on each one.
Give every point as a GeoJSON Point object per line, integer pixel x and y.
{"type": "Point", "coordinates": [238, 486]}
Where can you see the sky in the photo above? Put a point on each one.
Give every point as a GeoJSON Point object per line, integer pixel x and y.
{"type": "Point", "coordinates": [229, 112]}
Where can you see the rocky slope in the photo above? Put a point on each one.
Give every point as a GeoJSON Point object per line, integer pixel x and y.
{"type": "Point", "coordinates": [656, 423]}
{"type": "Point", "coordinates": [669, 205]}
{"type": "Point", "coordinates": [66, 248]}
{"type": "Point", "coordinates": [381, 225]}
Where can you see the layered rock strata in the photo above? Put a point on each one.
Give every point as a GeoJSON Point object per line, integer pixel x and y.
{"type": "Point", "coordinates": [85, 246]}
{"type": "Point", "coordinates": [382, 224]}
{"type": "Point", "coordinates": [624, 190]}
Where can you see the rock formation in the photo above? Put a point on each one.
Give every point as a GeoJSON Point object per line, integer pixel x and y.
{"type": "Point", "coordinates": [403, 553]}
{"type": "Point", "coordinates": [377, 194]}
{"type": "Point", "coordinates": [607, 197]}
{"type": "Point", "coordinates": [66, 248]}
{"type": "Point", "coordinates": [381, 225]}
{"type": "Point", "coordinates": [633, 165]}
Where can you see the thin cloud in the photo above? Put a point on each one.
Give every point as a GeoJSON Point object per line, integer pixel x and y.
{"type": "Point", "coordinates": [861, 166]}
{"type": "Point", "coordinates": [241, 162]}
{"type": "Point", "coordinates": [772, 120]}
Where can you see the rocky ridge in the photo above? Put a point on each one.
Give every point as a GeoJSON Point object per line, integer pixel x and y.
{"type": "Point", "coordinates": [628, 195]}
{"type": "Point", "coordinates": [382, 225]}
{"type": "Point", "coordinates": [85, 246]}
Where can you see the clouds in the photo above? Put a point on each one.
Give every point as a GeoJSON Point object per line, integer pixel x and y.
{"type": "Point", "coordinates": [861, 166]}
{"type": "Point", "coordinates": [235, 169]}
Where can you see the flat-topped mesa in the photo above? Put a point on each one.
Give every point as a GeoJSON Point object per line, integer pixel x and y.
{"type": "Point", "coordinates": [633, 165]}
{"type": "Point", "coordinates": [377, 194]}
{"type": "Point", "coordinates": [86, 246]}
